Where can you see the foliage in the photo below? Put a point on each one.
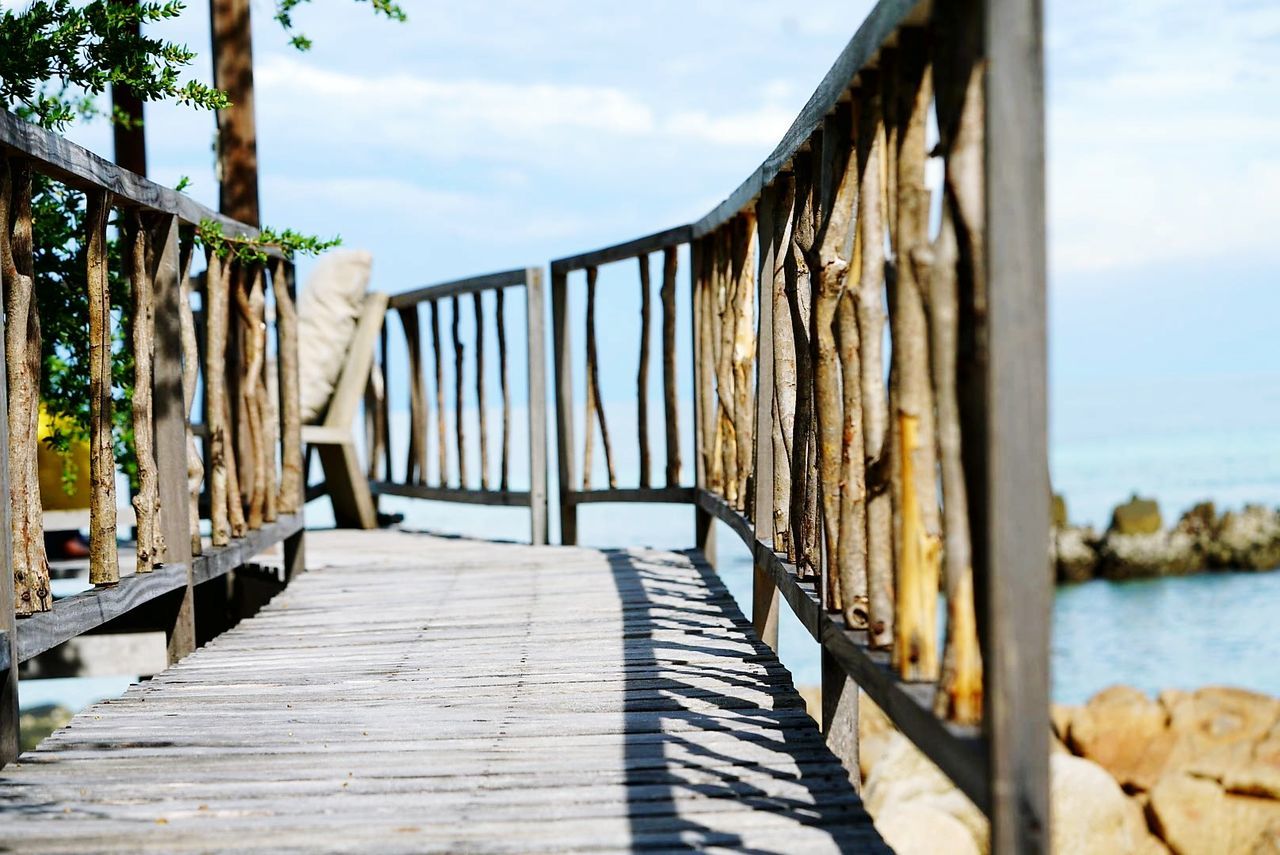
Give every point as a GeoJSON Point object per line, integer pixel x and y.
{"type": "Point", "coordinates": [284, 17]}
{"type": "Point", "coordinates": [87, 48]}
{"type": "Point", "coordinates": [255, 250]}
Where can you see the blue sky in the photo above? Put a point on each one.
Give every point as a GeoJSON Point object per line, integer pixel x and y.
{"type": "Point", "coordinates": [494, 134]}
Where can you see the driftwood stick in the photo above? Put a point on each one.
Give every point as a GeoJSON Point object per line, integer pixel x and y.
{"type": "Point", "coordinates": [742, 358]}
{"type": "Point", "coordinates": [292, 476]}
{"type": "Point", "coordinates": [416, 464]}
{"type": "Point", "coordinates": [458, 355]}
{"type": "Point", "coordinates": [671, 405]}
{"type": "Point", "coordinates": [267, 390]}
{"type": "Point", "coordinates": [442, 444]}
{"type": "Point", "coordinates": [232, 447]}
{"type": "Point", "coordinates": [803, 511]}
{"type": "Point", "coordinates": [919, 550]}
{"type": "Point", "coordinates": [870, 297]}
{"type": "Point", "coordinates": [589, 409]}
{"type": "Point", "coordinates": [190, 380]}
{"type": "Point", "coordinates": [215, 309]}
{"type": "Point", "coordinates": [478, 304]}
{"type": "Point", "coordinates": [642, 373]}
{"type": "Point", "coordinates": [504, 387]}
{"type": "Point", "coordinates": [705, 402]}
{"type": "Point", "coordinates": [104, 559]}
{"type": "Point", "coordinates": [146, 504]}
{"type": "Point", "coordinates": [726, 328]}
{"type": "Point", "coordinates": [958, 267]}
{"type": "Point", "coordinates": [784, 367]}
{"type": "Point", "coordinates": [22, 356]}
{"type": "Point", "coordinates": [247, 296]}
{"type": "Point", "coordinates": [593, 382]}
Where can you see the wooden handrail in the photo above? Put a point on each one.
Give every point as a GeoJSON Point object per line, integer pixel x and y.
{"type": "Point", "coordinates": [479, 487]}
{"type": "Point", "coordinates": [253, 443]}
{"type": "Point", "coordinates": [860, 498]}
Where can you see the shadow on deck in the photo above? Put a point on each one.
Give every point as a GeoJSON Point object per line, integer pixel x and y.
{"type": "Point", "coordinates": [421, 693]}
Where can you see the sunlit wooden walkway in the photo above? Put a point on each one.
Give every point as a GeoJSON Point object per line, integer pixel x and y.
{"type": "Point", "coordinates": [421, 693]}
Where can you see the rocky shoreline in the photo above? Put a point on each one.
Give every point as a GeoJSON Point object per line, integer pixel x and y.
{"type": "Point", "coordinates": [1137, 545]}
{"type": "Point", "coordinates": [1196, 773]}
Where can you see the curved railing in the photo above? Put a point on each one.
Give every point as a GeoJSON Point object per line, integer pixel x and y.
{"type": "Point", "coordinates": [867, 480]}
{"type": "Point", "coordinates": [246, 488]}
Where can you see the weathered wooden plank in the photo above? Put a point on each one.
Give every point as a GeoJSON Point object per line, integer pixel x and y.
{"type": "Point", "coordinates": [535, 321]}
{"type": "Point", "coordinates": [507, 498]}
{"type": "Point", "coordinates": [417, 681]}
{"type": "Point", "coordinates": [674, 495]}
{"type": "Point", "coordinates": [458, 287]}
{"type": "Point", "coordinates": [621, 252]}
{"type": "Point", "coordinates": [217, 561]}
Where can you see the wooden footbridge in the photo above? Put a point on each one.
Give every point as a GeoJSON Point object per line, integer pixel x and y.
{"type": "Point", "coordinates": [866, 351]}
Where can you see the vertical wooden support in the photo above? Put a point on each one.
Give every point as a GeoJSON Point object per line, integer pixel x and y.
{"type": "Point", "coordinates": [415, 467]}
{"type": "Point", "coordinates": [500, 314]}
{"type": "Point", "coordinates": [459, 430]}
{"type": "Point", "coordinates": [764, 594]}
{"type": "Point", "coordinates": [642, 372]}
{"type": "Point", "coordinates": [534, 321]}
{"type": "Point", "coordinates": [104, 561]}
{"type": "Point", "coordinates": [442, 432]}
{"type": "Point", "coordinates": [477, 300]}
{"type": "Point", "coordinates": [9, 735]}
{"type": "Point", "coordinates": [1011, 569]}
{"type": "Point", "coordinates": [215, 313]}
{"type": "Point", "coordinates": [384, 404]}
{"type": "Point", "coordinates": [595, 399]}
{"type": "Point", "coordinates": [293, 483]}
{"type": "Point", "coordinates": [146, 503]}
{"type": "Point", "coordinates": [190, 382]}
{"type": "Point", "coordinates": [166, 272]}
{"type": "Point", "coordinates": [671, 403]}
{"type": "Point", "coordinates": [704, 525]}
{"type": "Point", "coordinates": [840, 715]}
{"type": "Point", "coordinates": [29, 567]}
{"type": "Point", "coordinates": [565, 449]}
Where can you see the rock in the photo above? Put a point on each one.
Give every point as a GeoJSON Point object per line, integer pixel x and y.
{"type": "Point", "coordinates": [1091, 814]}
{"type": "Point", "coordinates": [1196, 817]}
{"type": "Point", "coordinates": [920, 829]}
{"type": "Point", "coordinates": [874, 730]}
{"type": "Point", "coordinates": [1216, 729]}
{"type": "Point", "coordinates": [1136, 516]}
{"type": "Point", "coordinates": [1249, 539]}
{"type": "Point", "coordinates": [1123, 731]}
{"type": "Point", "coordinates": [1260, 775]}
{"type": "Point", "coordinates": [1060, 519]}
{"type": "Point", "coordinates": [1138, 556]}
{"type": "Point", "coordinates": [1200, 521]}
{"type": "Point", "coordinates": [1060, 716]}
{"type": "Point", "coordinates": [1074, 556]}
{"type": "Point", "coordinates": [904, 776]}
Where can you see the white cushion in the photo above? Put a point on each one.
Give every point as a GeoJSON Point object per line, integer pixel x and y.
{"type": "Point", "coordinates": [328, 307]}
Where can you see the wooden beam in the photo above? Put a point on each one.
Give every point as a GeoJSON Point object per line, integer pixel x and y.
{"type": "Point", "coordinates": [1011, 569]}
{"type": "Point", "coordinates": [562, 352]}
{"type": "Point", "coordinates": [237, 133]}
{"type": "Point", "coordinates": [535, 325]}
{"type": "Point", "coordinates": [458, 287]}
{"type": "Point", "coordinates": [10, 744]}
{"type": "Point", "coordinates": [622, 251]}
{"type": "Point", "coordinates": [663, 495]}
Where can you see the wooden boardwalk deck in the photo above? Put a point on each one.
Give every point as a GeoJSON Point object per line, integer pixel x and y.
{"type": "Point", "coordinates": [417, 693]}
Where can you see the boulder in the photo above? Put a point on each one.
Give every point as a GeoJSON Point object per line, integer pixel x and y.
{"type": "Point", "coordinates": [1216, 729]}
{"type": "Point", "coordinates": [1136, 516]}
{"type": "Point", "coordinates": [1195, 816]}
{"type": "Point", "coordinates": [921, 829]}
{"type": "Point", "coordinates": [1139, 556]}
{"type": "Point", "coordinates": [1260, 774]}
{"type": "Point", "coordinates": [1123, 731]}
{"type": "Point", "coordinates": [904, 776]}
{"type": "Point", "coordinates": [1060, 716]}
{"type": "Point", "coordinates": [1200, 521]}
{"type": "Point", "coordinates": [1249, 539]}
{"type": "Point", "coordinates": [1075, 558]}
{"type": "Point", "coordinates": [1091, 814]}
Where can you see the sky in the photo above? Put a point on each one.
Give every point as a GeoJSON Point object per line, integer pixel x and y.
{"type": "Point", "coordinates": [496, 134]}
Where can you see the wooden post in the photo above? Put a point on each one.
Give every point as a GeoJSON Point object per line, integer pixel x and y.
{"type": "Point", "coordinates": [171, 423]}
{"type": "Point", "coordinates": [1014, 519]}
{"type": "Point", "coordinates": [764, 594]}
{"type": "Point", "coordinates": [477, 302]}
{"type": "Point", "coordinates": [237, 134]}
{"type": "Point", "coordinates": [565, 449]}
{"type": "Point", "coordinates": [534, 317]}
{"type": "Point", "coordinates": [9, 736]}
{"type": "Point", "coordinates": [130, 140]}
{"type": "Point", "coordinates": [704, 524]}
{"type": "Point", "coordinates": [293, 479]}
{"type": "Point", "coordinates": [671, 403]}
{"type": "Point", "coordinates": [104, 562]}
{"type": "Point", "coordinates": [642, 371]}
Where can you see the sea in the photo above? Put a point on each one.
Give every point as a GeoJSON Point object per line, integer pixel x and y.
{"type": "Point", "coordinates": [1179, 440]}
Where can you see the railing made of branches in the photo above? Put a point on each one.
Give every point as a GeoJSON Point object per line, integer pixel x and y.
{"type": "Point", "coordinates": [869, 390]}
{"type": "Point", "coordinates": [240, 348]}
{"type": "Point", "coordinates": [444, 476]}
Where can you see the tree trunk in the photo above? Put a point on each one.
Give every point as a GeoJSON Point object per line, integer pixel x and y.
{"type": "Point", "coordinates": [146, 504]}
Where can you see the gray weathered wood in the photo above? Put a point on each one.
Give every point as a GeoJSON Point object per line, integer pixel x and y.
{"type": "Point", "coordinates": [1013, 578]}
{"type": "Point", "coordinates": [535, 325]}
{"type": "Point", "coordinates": [764, 595]}
{"type": "Point", "coordinates": [622, 251]}
{"type": "Point", "coordinates": [9, 736]}
{"type": "Point", "coordinates": [395, 695]}
{"type": "Point", "coordinates": [562, 353]}
{"type": "Point", "coordinates": [679, 495]}
{"type": "Point", "coordinates": [517, 498]}
{"type": "Point", "coordinates": [487, 282]}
